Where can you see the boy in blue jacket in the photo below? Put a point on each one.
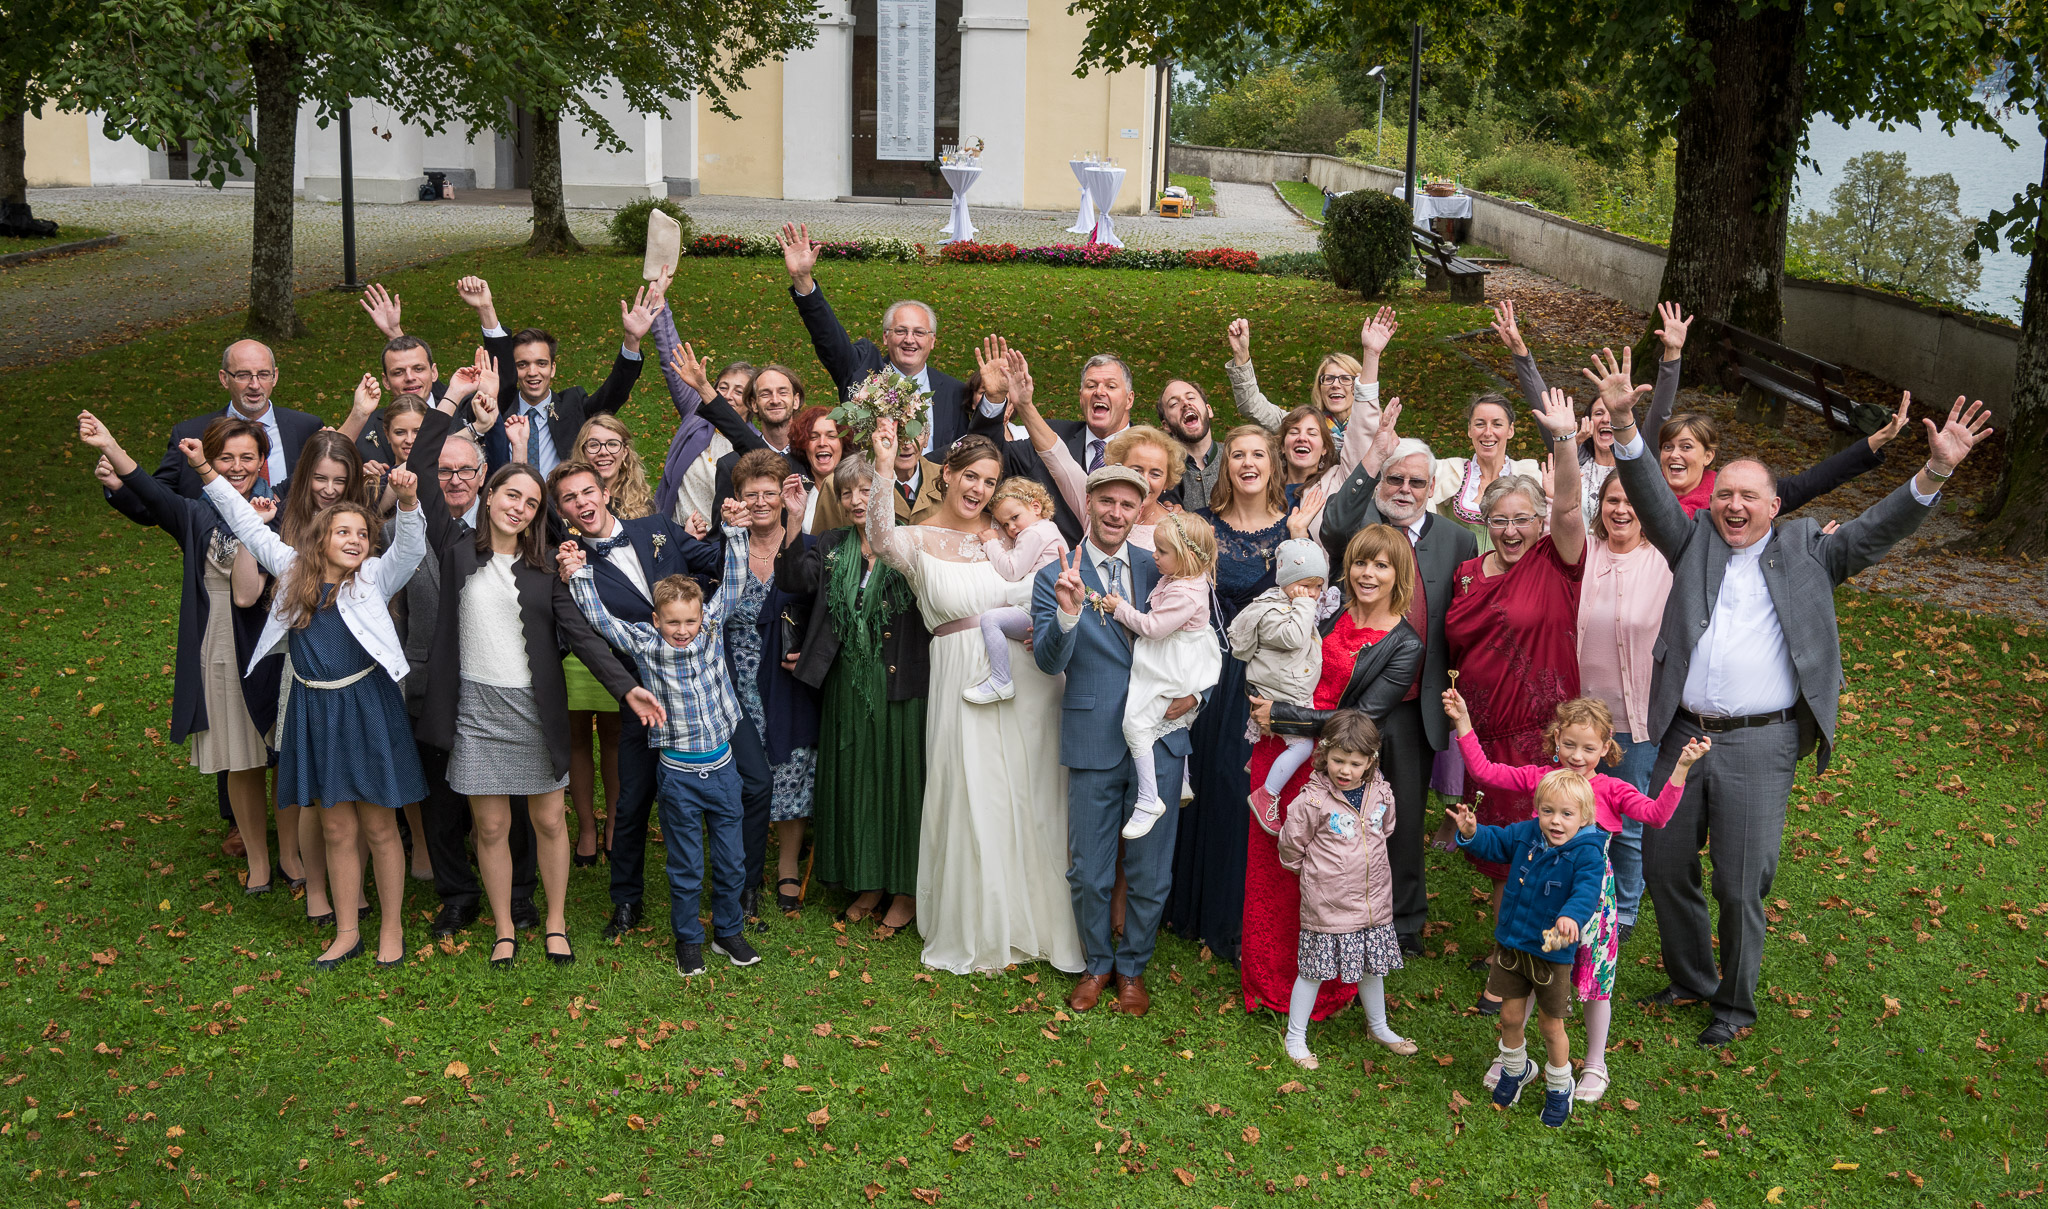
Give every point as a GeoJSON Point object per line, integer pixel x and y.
{"type": "Point", "coordinates": [1555, 865]}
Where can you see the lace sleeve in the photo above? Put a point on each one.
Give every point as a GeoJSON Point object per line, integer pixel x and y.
{"type": "Point", "coordinates": [895, 545]}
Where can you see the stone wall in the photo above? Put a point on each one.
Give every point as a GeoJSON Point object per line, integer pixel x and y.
{"type": "Point", "coordinates": [1935, 353]}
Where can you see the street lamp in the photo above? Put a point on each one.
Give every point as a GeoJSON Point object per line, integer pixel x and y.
{"type": "Point", "coordinates": [1379, 131]}
{"type": "Point", "coordinates": [348, 209]}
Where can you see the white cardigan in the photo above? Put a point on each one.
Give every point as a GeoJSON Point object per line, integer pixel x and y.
{"type": "Point", "coordinates": [364, 602]}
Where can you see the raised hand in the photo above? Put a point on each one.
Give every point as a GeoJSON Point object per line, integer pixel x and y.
{"type": "Point", "coordinates": [1455, 709]}
{"type": "Point", "coordinates": [885, 444]}
{"type": "Point", "coordinates": [1383, 441]}
{"type": "Point", "coordinates": [369, 393]}
{"type": "Point", "coordinates": [646, 708]}
{"type": "Point", "coordinates": [195, 452]}
{"type": "Point", "coordinates": [94, 433]}
{"type": "Point", "coordinates": [1239, 333]}
{"type": "Point", "coordinates": [405, 485]}
{"type": "Point", "coordinates": [1948, 445]}
{"type": "Point", "coordinates": [1676, 325]}
{"type": "Point", "coordinates": [697, 526]}
{"type": "Point", "coordinates": [569, 559]}
{"type": "Point", "coordinates": [637, 318]}
{"type": "Point", "coordinates": [1377, 331]}
{"type": "Point", "coordinates": [656, 291]}
{"type": "Point", "coordinates": [476, 293]}
{"type": "Point", "coordinates": [1550, 476]}
{"type": "Point", "coordinates": [1463, 819]}
{"type": "Point", "coordinates": [384, 309]}
{"type": "Point", "coordinates": [991, 362]}
{"type": "Point", "coordinates": [732, 512]}
{"type": "Point", "coordinates": [799, 254]}
{"type": "Point", "coordinates": [515, 436]}
{"type": "Point", "coordinates": [1610, 376]}
{"type": "Point", "coordinates": [1692, 753]}
{"type": "Point", "coordinates": [695, 374]}
{"type": "Point", "coordinates": [1883, 436]}
{"type": "Point", "coordinates": [1018, 371]}
{"type": "Point", "coordinates": [794, 497]}
{"type": "Point", "coordinates": [461, 385]}
{"type": "Point", "coordinates": [1505, 327]}
{"type": "Point", "coordinates": [486, 385]}
{"type": "Point", "coordinates": [1556, 416]}
{"type": "Point", "coordinates": [103, 470]}
{"type": "Point", "coordinates": [1306, 511]}
{"type": "Point", "coordinates": [1068, 588]}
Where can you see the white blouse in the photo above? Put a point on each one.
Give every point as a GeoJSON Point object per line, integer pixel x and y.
{"type": "Point", "coordinates": [493, 636]}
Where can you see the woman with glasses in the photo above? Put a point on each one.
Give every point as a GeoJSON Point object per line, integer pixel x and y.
{"type": "Point", "coordinates": [1341, 382]}
{"type": "Point", "coordinates": [1512, 624]}
{"type": "Point", "coordinates": [607, 444]}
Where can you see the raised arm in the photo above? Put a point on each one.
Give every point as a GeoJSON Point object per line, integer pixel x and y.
{"type": "Point", "coordinates": [1516, 777]}
{"type": "Point", "coordinates": [268, 548]}
{"type": "Point", "coordinates": [364, 405]}
{"type": "Point", "coordinates": [1373, 337]}
{"type": "Point", "coordinates": [389, 571]}
{"type": "Point", "coordinates": [734, 580]}
{"type": "Point", "coordinates": [1664, 521]}
{"type": "Point", "coordinates": [720, 413]}
{"type": "Point", "coordinates": [1164, 619]}
{"type": "Point", "coordinates": [583, 593]}
{"type": "Point", "coordinates": [1868, 538]}
{"type": "Point", "coordinates": [895, 546]}
{"type": "Point", "coordinates": [829, 339]}
{"type": "Point", "coordinates": [1567, 513]}
{"type": "Point", "coordinates": [1252, 404]}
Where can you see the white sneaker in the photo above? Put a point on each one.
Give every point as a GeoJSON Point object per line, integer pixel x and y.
{"type": "Point", "coordinates": [1143, 815]}
{"type": "Point", "coordinates": [988, 692]}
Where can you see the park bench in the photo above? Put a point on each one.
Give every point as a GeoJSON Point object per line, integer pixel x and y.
{"type": "Point", "coordinates": [1443, 269]}
{"type": "Point", "coordinates": [1772, 375]}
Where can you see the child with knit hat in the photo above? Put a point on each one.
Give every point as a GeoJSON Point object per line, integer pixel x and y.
{"type": "Point", "coordinates": [1276, 638]}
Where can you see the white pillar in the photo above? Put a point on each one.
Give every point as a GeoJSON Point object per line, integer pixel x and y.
{"type": "Point", "coordinates": [992, 38]}
{"type": "Point", "coordinates": [387, 155]}
{"type": "Point", "coordinates": [817, 111]}
{"type": "Point", "coordinates": [596, 178]}
{"type": "Point", "coordinates": [679, 148]}
{"type": "Point", "coordinates": [121, 161]}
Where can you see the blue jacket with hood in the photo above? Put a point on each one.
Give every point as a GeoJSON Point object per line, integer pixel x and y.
{"type": "Point", "coordinates": [1544, 884]}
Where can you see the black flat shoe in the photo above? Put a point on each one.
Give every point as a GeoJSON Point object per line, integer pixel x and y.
{"type": "Point", "coordinates": [1670, 996]}
{"type": "Point", "coordinates": [786, 903]}
{"type": "Point", "coordinates": [560, 959]}
{"type": "Point", "coordinates": [451, 919]}
{"type": "Point", "coordinates": [583, 862]}
{"type": "Point", "coordinates": [750, 909]}
{"type": "Point", "coordinates": [296, 883]}
{"type": "Point", "coordinates": [320, 921]}
{"type": "Point", "coordinates": [1487, 1007]}
{"type": "Point", "coordinates": [1477, 964]}
{"type": "Point", "coordinates": [393, 964]}
{"type": "Point", "coordinates": [509, 957]}
{"type": "Point", "coordinates": [265, 888]}
{"type": "Point", "coordinates": [328, 963]}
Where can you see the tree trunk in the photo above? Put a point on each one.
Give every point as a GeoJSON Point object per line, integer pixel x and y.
{"type": "Point", "coordinates": [272, 314]}
{"type": "Point", "coordinates": [551, 232]}
{"type": "Point", "coordinates": [13, 151]}
{"type": "Point", "coordinates": [1737, 135]}
{"type": "Point", "coordinates": [2017, 513]}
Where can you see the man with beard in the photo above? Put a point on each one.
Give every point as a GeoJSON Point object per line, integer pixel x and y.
{"type": "Point", "coordinates": [1185, 413]}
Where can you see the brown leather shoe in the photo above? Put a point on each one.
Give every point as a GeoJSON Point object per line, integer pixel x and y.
{"type": "Point", "coordinates": [233, 845]}
{"type": "Point", "coordinates": [1087, 992]}
{"type": "Point", "coordinates": [1131, 997]}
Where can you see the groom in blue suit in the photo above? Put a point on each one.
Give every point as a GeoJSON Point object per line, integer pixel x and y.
{"type": "Point", "coordinates": [1070, 635]}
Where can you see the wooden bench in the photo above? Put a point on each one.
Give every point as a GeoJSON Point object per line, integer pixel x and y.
{"type": "Point", "coordinates": [1772, 375]}
{"type": "Point", "coordinates": [1443, 269]}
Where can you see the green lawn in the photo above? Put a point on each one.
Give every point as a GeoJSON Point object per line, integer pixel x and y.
{"type": "Point", "coordinates": [1198, 187]}
{"type": "Point", "coordinates": [65, 234]}
{"type": "Point", "coordinates": [167, 1044]}
{"type": "Point", "coordinates": [1305, 197]}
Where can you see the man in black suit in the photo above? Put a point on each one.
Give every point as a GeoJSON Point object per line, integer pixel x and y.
{"type": "Point", "coordinates": [526, 375]}
{"type": "Point", "coordinates": [1105, 405]}
{"type": "Point", "coordinates": [910, 333]}
{"type": "Point", "coordinates": [1391, 487]}
{"type": "Point", "coordinates": [407, 368]}
{"type": "Point", "coordinates": [248, 373]}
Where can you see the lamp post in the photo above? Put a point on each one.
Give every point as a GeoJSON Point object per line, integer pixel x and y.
{"type": "Point", "coordinates": [1380, 130]}
{"type": "Point", "coordinates": [348, 209]}
{"type": "Point", "coordinates": [1414, 111]}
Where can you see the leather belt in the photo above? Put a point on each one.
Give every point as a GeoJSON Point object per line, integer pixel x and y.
{"type": "Point", "coordinates": [1715, 724]}
{"type": "Point", "coordinates": [959, 625]}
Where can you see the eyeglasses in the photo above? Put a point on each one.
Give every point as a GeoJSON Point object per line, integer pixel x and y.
{"type": "Point", "coordinates": [907, 333]}
{"type": "Point", "coordinates": [597, 446]}
{"type": "Point", "coordinates": [1511, 522]}
{"type": "Point", "coordinates": [465, 474]}
{"type": "Point", "coordinates": [1337, 379]}
{"type": "Point", "coordinates": [245, 376]}
{"type": "Point", "coordinates": [1396, 480]}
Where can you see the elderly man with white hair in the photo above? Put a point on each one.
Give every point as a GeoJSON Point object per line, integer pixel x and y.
{"type": "Point", "coordinates": [910, 332]}
{"type": "Point", "coordinates": [1391, 487]}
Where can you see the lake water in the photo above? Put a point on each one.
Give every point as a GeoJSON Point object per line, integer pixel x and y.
{"type": "Point", "coordinates": [1987, 175]}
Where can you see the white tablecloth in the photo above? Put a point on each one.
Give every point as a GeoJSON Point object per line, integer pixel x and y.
{"type": "Point", "coordinates": [1458, 205]}
{"type": "Point", "coordinates": [959, 228]}
{"type": "Point", "coordinates": [1103, 182]}
{"type": "Point", "coordinates": [1084, 222]}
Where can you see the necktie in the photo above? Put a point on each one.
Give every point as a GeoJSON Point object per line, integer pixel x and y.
{"type": "Point", "coordinates": [533, 437]}
{"type": "Point", "coordinates": [605, 545]}
{"type": "Point", "coordinates": [909, 492]}
{"type": "Point", "coordinates": [1095, 448]}
{"type": "Point", "coordinates": [1114, 569]}
{"type": "Point", "coordinates": [1418, 620]}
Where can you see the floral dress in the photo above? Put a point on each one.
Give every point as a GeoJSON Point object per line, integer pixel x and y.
{"type": "Point", "coordinates": [796, 777]}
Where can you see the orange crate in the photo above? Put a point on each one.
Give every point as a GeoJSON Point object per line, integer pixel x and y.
{"type": "Point", "coordinates": [1173, 207]}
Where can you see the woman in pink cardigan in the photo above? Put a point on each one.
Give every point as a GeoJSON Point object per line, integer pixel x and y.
{"type": "Point", "coordinates": [1621, 609]}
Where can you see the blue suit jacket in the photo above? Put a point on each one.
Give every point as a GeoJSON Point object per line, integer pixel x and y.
{"type": "Point", "coordinates": [677, 554]}
{"type": "Point", "coordinates": [1096, 656]}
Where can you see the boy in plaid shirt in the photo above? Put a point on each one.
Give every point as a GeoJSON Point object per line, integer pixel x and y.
{"type": "Point", "coordinates": [681, 658]}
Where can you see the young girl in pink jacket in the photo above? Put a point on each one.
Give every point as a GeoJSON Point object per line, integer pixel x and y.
{"type": "Point", "coordinates": [1335, 840]}
{"type": "Point", "coordinates": [1580, 736]}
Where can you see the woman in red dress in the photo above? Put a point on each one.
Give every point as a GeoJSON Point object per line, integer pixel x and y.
{"type": "Point", "coordinates": [1371, 658]}
{"type": "Point", "coordinates": [1512, 628]}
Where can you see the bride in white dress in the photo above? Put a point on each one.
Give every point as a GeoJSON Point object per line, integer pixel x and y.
{"type": "Point", "coordinates": [992, 850]}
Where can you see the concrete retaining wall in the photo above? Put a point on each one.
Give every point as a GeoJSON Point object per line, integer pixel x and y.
{"type": "Point", "coordinates": [1937, 354]}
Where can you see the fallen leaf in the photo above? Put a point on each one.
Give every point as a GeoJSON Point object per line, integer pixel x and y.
{"type": "Point", "coordinates": [871, 1191]}
{"type": "Point", "coordinates": [387, 1177]}
{"type": "Point", "coordinates": [929, 1196]}
{"type": "Point", "coordinates": [1653, 1181]}
{"type": "Point", "coordinates": [457, 1069]}
{"type": "Point", "coordinates": [1250, 1135]}
{"type": "Point", "coordinates": [1186, 1177]}
{"type": "Point", "coordinates": [789, 1061]}
{"type": "Point", "coordinates": [175, 1131]}
{"type": "Point", "coordinates": [1776, 1196]}
{"type": "Point", "coordinates": [822, 1029]}
{"type": "Point", "coordinates": [1845, 1166]}
{"type": "Point", "coordinates": [1630, 1105]}
{"type": "Point", "coordinates": [963, 1143]}
{"type": "Point", "coordinates": [413, 1101]}
{"type": "Point", "coordinates": [387, 1022]}
{"type": "Point", "coordinates": [1458, 1102]}
{"type": "Point", "coordinates": [636, 1122]}
{"type": "Point", "coordinates": [611, 1198]}
{"type": "Point", "coordinates": [1292, 1086]}
{"type": "Point", "coordinates": [819, 1118]}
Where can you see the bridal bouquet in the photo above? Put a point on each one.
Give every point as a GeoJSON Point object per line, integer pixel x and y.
{"type": "Point", "coordinates": [882, 395]}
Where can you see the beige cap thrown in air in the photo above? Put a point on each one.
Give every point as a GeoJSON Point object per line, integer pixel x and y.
{"type": "Point", "coordinates": [664, 244]}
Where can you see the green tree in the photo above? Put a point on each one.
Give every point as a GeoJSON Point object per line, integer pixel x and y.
{"type": "Point", "coordinates": [1891, 228]}
{"type": "Point", "coordinates": [1281, 107]}
{"type": "Point", "coordinates": [1733, 81]}
{"type": "Point", "coordinates": [38, 39]}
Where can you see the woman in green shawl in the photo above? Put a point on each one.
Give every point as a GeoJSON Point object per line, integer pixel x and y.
{"type": "Point", "coordinates": [865, 648]}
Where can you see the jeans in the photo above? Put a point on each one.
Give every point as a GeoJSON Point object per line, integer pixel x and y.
{"type": "Point", "coordinates": [691, 802]}
{"type": "Point", "coordinates": [1625, 851]}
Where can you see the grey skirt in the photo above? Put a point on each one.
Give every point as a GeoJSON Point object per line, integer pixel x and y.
{"type": "Point", "coordinates": [499, 745]}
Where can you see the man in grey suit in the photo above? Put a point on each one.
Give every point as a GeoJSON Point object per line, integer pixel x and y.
{"type": "Point", "coordinates": [1748, 655]}
{"type": "Point", "coordinates": [1391, 487]}
{"type": "Point", "coordinates": [1102, 782]}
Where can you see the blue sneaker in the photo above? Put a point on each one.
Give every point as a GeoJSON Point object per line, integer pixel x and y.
{"type": "Point", "coordinates": [1557, 1106]}
{"type": "Point", "coordinates": [1509, 1089]}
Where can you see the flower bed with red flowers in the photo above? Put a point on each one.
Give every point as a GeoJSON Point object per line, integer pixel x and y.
{"type": "Point", "coordinates": [1236, 260]}
{"type": "Point", "coordinates": [964, 252]}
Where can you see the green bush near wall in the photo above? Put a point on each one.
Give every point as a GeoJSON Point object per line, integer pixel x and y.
{"type": "Point", "coordinates": [1365, 242]}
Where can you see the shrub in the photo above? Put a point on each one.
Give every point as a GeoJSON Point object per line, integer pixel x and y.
{"type": "Point", "coordinates": [1365, 242]}
{"type": "Point", "coordinates": [718, 245]}
{"type": "Point", "coordinates": [1293, 264]}
{"type": "Point", "coordinates": [1149, 258]}
{"type": "Point", "coordinates": [1235, 260]}
{"type": "Point", "coordinates": [628, 228]}
{"type": "Point", "coordinates": [1080, 255]}
{"type": "Point", "coordinates": [963, 252]}
{"type": "Point", "coordinates": [1518, 174]}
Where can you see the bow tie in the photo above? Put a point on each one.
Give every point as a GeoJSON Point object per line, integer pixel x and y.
{"type": "Point", "coordinates": [605, 545]}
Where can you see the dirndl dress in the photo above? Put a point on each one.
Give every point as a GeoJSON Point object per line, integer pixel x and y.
{"type": "Point", "coordinates": [343, 733]}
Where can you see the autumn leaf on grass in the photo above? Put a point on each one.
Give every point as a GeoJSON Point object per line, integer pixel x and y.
{"type": "Point", "coordinates": [1891, 1009]}
{"type": "Point", "coordinates": [819, 1118]}
{"type": "Point", "coordinates": [106, 958]}
{"type": "Point", "coordinates": [457, 1069]}
{"type": "Point", "coordinates": [1250, 1135]}
{"type": "Point", "coordinates": [822, 1029]}
{"type": "Point", "coordinates": [929, 1196]}
{"type": "Point", "coordinates": [175, 1131]}
{"type": "Point", "coordinates": [611, 1198]}
{"type": "Point", "coordinates": [1776, 1196]}
{"type": "Point", "coordinates": [963, 1143]}
{"type": "Point", "coordinates": [1458, 1102]}
{"type": "Point", "coordinates": [1653, 1181]}
{"type": "Point", "coordinates": [1292, 1086]}
{"type": "Point", "coordinates": [636, 1122]}
{"type": "Point", "coordinates": [871, 1191]}
{"type": "Point", "coordinates": [789, 1061]}
{"type": "Point", "coordinates": [1845, 1166]}
{"type": "Point", "coordinates": [413, 1101]}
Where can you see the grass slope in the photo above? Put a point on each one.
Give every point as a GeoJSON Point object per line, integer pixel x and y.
{"type": "Point", "coordinates": [1305, 197]}
{"type": "Point", "coordinates": [165, 1042]}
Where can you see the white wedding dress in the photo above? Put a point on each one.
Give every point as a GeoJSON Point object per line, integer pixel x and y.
{"type": "Point", "coordinates": [992, 849]}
